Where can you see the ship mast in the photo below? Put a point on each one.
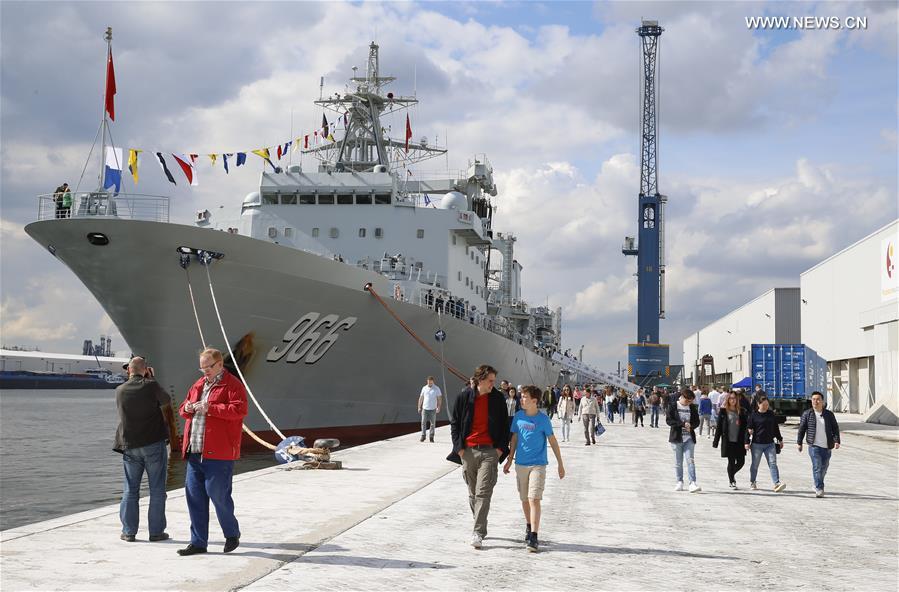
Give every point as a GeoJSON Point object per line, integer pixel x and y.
{"type": "Point", "coordinates": [364, 145]}
{"type": "Point", "coordinates": [104, 122]}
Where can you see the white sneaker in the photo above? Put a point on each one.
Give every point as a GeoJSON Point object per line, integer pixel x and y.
{"type": "Point", "coordinates": [753, 485]}
{"type": "Point", "coordinates": [679, 486]}
{"type": "Point", "coordinates": [779, 486]}
{"type": "Point", "coordinates": [694, 488]}
{"type": "Point", "coordinates": [819, 493]}
{"type": "Point", "coordinates": [476, 540]}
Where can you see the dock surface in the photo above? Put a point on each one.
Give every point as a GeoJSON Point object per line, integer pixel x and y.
{"type": "Point", "coordinates": [397, 518]}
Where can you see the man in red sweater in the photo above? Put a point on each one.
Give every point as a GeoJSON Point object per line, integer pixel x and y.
{"type": "Point", "coordinates": [480, 432]}
{"type": "Point", "coordinates": [213, 411]}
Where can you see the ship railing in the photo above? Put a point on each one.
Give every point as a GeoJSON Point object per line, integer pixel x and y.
{"type": "Point", "coordinates": [93, 204]}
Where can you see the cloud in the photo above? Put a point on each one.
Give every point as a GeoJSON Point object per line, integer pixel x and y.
{"type": "Point", "coordinates": [751, 161]}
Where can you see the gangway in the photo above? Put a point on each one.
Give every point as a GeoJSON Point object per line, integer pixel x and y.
{"type": "Point", "coordinates": [594, 373]}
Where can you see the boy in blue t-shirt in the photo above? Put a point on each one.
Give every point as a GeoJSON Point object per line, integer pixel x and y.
{"type": "Point", "coordinates": [531, 430]}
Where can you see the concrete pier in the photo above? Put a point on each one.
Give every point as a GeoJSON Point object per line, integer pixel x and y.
{"type": "Point", "coordinates": [397, 518]}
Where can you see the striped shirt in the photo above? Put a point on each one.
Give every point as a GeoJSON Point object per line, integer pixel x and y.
{"type": "Point", "coordinates": [198, 422]}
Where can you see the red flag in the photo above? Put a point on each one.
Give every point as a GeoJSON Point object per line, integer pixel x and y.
{"type": "Point", "coordinates": [279, 151]}
{"type": "Point", "coordinates": [306, 141]}
{"type": "Point", "coordinates": [110, 87]}
{"type": "Point", "coordinates": [408, 132]}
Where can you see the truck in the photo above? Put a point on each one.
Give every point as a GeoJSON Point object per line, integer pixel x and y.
{"type": "Point", "coordinates": [789, 374]}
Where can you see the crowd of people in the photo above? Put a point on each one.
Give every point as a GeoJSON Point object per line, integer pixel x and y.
{"type": "Point", "coordinates": [484, 417]}
{"type": "Point", "coordinates": [489, 426]}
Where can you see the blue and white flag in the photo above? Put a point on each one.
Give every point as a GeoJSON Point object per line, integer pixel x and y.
{"type": "Point", "coordinates": [112, 175]}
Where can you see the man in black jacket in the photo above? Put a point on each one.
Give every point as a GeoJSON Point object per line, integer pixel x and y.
{"type": "Point", "coordinates": [146, 423]}
{"type": "Point", "coordinates": [822, 433]}
{"type": "Point", "coordinates": [682, 416]}
{"type": "Point", "coordinates": [480, 431]}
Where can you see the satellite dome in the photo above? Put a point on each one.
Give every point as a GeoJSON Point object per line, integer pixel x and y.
{"type": "Point", "coordinates": [454, 201]}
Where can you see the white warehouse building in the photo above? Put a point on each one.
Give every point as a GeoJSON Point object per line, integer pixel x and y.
{"type": "Point", "coordinates": [773, 317]}
{"type": "Point", "coordinates": [846, 309]}
{"type": "Point", "coordinates": [850, 316]}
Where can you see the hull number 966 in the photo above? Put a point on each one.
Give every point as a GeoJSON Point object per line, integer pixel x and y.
{"type": "Point", "coordinates": [310, 338]}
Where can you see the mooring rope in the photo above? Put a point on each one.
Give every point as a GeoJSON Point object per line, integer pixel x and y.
{"type": "Point", "coordinates": [234, 358]}
{"type": "Point", "coordinates": [194, 305]}
{"type": "Point", "coordinates": [203, 341]}
{"type": "Point", "coordinates": [371, 290]}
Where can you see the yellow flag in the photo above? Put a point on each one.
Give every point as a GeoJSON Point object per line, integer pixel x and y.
{"type": "Point", "coordinates": [263, 152]}
{"type": "Point", "coordinates": [212, 157]}
{"type": "Point", "coordinates": [132, 163]}
{"type": "Point", "coordinates": [330, 137]}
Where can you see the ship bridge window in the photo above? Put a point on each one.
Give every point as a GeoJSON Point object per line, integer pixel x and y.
{"type": "Point", "coordinates": [382, 199]}
{"type": "Point", "coordinates": [272, 232]}
{"type": "Point", "coordinates": [361, 233]}
{"type": "Point", "coordinates": [345, 199]}
{"type": "Point", "coordinates": [269, 198]}
{"type": "Point", "coordinates": [288, 232]}
{"type": "Point", "coordinates": [289, 199]}
{"type": "Point", "coordinates": [334, 233]}
{"type": "Point", "coordinates": [326, 200]}
{"type": "Point", "coordinates": [379, 233]}
{"type": "Point", "coordinates": [307, 199]}
{"type": "Point", "coordinates": [363, 199]}
{"type": "Point", "coordinates": [315, 233]}
{"type": "Point", "coordinates": [420, 233]}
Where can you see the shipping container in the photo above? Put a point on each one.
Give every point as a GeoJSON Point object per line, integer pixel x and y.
{"type": "Point", "coordinates": [789, 374]}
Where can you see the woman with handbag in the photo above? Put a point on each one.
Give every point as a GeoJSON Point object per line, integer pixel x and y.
{"type": "Point", "coordinates": [566, 412]}
{"type": "Point", "coordinates": [761, 434]}
{"type": "Point", "coordinates": [731, 432]}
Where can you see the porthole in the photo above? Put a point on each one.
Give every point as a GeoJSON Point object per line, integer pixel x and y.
{"type": "Point", "coordinates": [97, 238]}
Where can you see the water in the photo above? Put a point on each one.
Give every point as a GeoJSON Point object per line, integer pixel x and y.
{"type": "Point", "coordinates": [56, 455]}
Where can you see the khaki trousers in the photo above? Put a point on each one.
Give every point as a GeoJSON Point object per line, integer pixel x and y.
{"type": "Point", "coordinates": [479, 470]}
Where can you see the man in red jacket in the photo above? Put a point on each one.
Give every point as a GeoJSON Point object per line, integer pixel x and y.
{"type": "Point", "coordinates": [213, 411]}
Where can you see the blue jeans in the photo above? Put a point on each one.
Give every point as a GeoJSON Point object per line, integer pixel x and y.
{"type": "Point", "coordinates": [770, 452]}
{"type": "Point", "coordinates": [654, 416]}
{"type": "Point", "coordinates": [152, 458]}
{"type": "Point", "coordinates": [610, 413]}
{"type": "Point", "coordinates": [209, 480]}
{"type": "Point", "coordinates": [682, 450]}
{"type": "Point", "coordinates": [428, 415]}
{"type": "Point", "coordinates": [622, 407]}
{"type": "Point", "coordinates": [820, 462]}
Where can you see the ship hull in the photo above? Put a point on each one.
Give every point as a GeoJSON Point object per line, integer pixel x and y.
{"type": "Point", "coordinates": [367, 377]}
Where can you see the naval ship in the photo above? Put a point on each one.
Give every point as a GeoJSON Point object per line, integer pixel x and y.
{"type": "Point", "coordinates": [339, 289]}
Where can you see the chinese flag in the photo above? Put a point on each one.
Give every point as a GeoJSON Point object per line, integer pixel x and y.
{"type": "Point", "coordinates": [110, 87]}
{"type": "Point", "coordinates": [408, 132]}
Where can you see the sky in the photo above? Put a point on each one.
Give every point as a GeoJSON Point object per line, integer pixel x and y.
{"type": "Point", "coordinates": [777, 148]}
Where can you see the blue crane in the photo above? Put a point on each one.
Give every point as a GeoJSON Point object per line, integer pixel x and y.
{"type": "Point", "coordinates": [647, 358]}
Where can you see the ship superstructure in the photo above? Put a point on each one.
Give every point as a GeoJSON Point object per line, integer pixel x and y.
{"type": "Point", "coordinates": [287, 288]}
{"type": "Point", "coordinates": [364, 206]}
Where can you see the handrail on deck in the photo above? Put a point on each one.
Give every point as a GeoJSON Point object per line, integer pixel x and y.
{"type": "Point", "coordinates": [93, 204]}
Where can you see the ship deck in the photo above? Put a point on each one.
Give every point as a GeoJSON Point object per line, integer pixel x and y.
{"type": "Point", "coordinates": [397, 518]}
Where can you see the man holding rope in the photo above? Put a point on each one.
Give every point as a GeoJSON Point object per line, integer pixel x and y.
{"type": "Point", "coordinates": [213, 411]}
